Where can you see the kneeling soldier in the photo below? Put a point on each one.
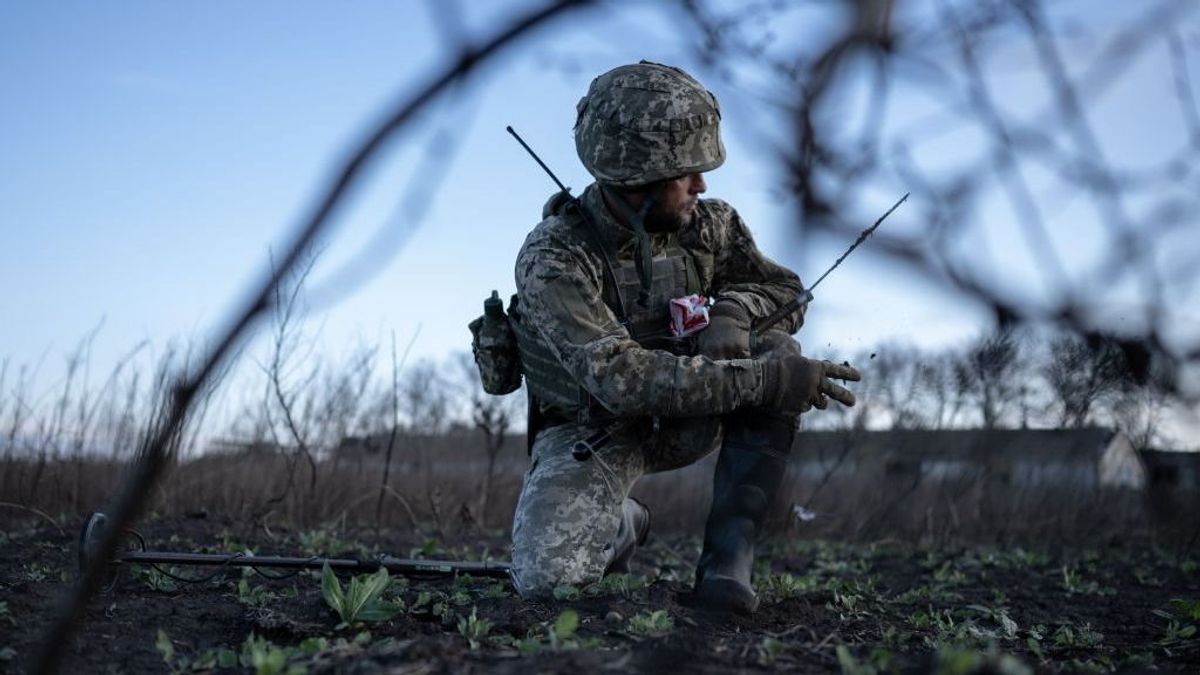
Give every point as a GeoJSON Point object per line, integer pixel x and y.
{"type": "Point", "coordinates": [594, 283]}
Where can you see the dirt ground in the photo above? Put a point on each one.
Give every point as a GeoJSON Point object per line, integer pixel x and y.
{"type": "Point", "coordinates": [885, 607]}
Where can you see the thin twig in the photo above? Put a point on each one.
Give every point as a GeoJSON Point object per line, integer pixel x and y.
{"type": "Point", "coordinates": [36, 511]}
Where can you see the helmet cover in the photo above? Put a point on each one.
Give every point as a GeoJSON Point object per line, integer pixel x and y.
{"type": "Point", "coordinates": [646, 122]}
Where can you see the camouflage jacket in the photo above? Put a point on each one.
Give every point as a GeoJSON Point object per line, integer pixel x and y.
{"type": "Point", "coordinates": [559, 280]}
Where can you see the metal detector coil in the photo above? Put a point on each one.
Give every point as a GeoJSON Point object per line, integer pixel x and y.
{"type": "Point", "coordinates": [90, 538]}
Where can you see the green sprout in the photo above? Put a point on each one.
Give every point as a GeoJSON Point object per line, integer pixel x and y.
{"type": "Point", "coordinates": [564, 628]}
{"type": "Point", "coordinates": [653, 624]}
{"type": "Point", "coordinates": [474, 628]}
{"type": "Point", "coordinates": [267, 659]}
{"type": "Point", "coordinates": [362, 599]}
{"type": "Point", "coordinates": [769, 650]}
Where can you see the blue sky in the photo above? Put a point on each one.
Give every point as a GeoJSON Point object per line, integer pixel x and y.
{"type": "Point", "coordinates": [154, 153]}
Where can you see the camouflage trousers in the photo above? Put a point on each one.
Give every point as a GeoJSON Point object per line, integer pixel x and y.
{"type": "Point", "coordinates": [572, 513]}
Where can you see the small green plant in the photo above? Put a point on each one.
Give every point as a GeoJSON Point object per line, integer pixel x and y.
{"type": "Point", "coordinates": [362, 600]}
{"type": "Point", "coordinates": [267, 659]}
{"type": "Point", "coordinates": [211, 659]}
{"type": "Point", "coordinates": [4, 613]}
{"type": "Point", "coordinates": [769, 650]}
{"type": "Point", "coordinates": [1082, 637]}
{"type": "Point", "coordinates": [1188, 610]}
{"type": "Point", "coordinates": [563, 629]}
{"type": "Point", "coordinates": [1177, 634]}
{"type": "Point", "coordinates": [156, 580]}
{"type": "Point", "coordinates": [36, 572]}
{"type": "Point", "coordinates": [960, 661]}
{"type": "Point", "coordinates": [1019, 558]}
{"type": "Point", "coordinates": [166, 648]}
{"type": "Point", "coordinates": [1034, 641]}
{"type": "Point", "coordinates": [253, 595]}
{"type": "Point", "coordinates": [779, 587]}
{"type": "Point", "coordinates": [429, 549]}
{"type": "Point", "coordinates": [422, 604]}
{"type": "Point", "coordinates": [624, 585]}
{"type": "Point", "coordinates": [1145, 576]}
{"type": "Point", "coordinates": [1181, 617]}
{"type": "Point", "coordinates": [936, 593]}
{"type": "Point", "coordinates": [1072, 582]}
{"type": "Point", "coordinates": [949, 575]}
{"type": "Point", "coordinates": [655, 623]}
{"type": "Point", "coordinates": [474, 628]}
{"type": "Point", "coordinates": [496, 591]}
{"type": "Point", "coordinates": [1007, 628]}
{"type": "Point", "coordinates": [320, 540]}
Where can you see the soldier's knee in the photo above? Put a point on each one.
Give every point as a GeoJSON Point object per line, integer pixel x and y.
{"type": "Point", "coordinates": [533, 586]}
{"type": "Point", "coordinates": [538, 582]}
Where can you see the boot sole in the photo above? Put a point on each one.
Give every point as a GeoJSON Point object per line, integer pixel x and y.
{"type": "Point", "coordinates": [725, 595]}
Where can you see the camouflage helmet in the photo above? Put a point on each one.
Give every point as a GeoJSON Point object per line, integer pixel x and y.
{"type": "Point", "coordinates": [646, 122]}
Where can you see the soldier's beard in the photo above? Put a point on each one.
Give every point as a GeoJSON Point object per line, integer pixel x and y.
{"type": "Point", "coordinates": [659, 220]}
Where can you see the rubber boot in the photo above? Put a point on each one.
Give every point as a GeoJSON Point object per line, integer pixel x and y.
{"type": "Point", "coordinates": [749, 471]}
{"type": "Point", "coordinates": [635, 527]}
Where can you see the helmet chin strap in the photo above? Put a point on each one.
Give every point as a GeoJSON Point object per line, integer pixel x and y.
{"type": "Point", "coordinates": [641, 252]}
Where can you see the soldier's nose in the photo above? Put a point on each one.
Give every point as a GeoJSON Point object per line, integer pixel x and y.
{"type": "Point", "coordinates": [698, 186]}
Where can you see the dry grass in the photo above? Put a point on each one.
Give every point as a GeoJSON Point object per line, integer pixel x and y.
{"type": "Point", "coordinates": [435, 485]}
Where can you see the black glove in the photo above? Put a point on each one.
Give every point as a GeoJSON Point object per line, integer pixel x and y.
{"type": "Point", "coordinates": [728, 333]}
{"type": "Point", "coordinates": [794, 384]}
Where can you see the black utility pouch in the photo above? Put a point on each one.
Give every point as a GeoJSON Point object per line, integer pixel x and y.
{"type": "Point", "coordinates": [495, 348]}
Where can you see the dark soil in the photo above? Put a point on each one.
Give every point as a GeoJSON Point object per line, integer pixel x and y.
{"type": "Point", "coordinates": [826, 607]}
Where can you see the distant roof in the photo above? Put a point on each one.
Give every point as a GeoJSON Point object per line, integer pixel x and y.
{"type": "Point", "coordinates": [1067, 444]}
{"type": "Point", "coordinates": [1171, 458]}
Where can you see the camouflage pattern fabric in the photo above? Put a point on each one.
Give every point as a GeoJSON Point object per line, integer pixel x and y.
{"type": "Point", "coordinates": [569, 512]}
{"type": "Point", "coordinates": [647, 122]}
{"type": "Point", "coordinates": [559, 280]}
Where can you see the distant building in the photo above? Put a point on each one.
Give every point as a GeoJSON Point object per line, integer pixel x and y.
{"type": "Point", "coordinates": [1172, 470]}
{"type": "Point", "coordinates": [1081, 458]}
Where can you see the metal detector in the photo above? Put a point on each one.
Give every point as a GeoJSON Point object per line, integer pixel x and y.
{"type": "Point", "coordinates": [94, 529]}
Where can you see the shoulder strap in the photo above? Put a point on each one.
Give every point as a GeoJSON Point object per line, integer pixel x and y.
{"type": "Point", "coordinates": [612, 290]}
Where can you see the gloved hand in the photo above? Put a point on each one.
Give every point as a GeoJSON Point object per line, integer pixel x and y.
{"type": "Point", "coordinates": [794, 384]}
{"type": "Point", "coordinates": [728, 333]}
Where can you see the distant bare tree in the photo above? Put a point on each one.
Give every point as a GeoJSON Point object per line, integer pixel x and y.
{"type": "Point", "coordinates": [424, 397]}
{"type": "Point", "coordinates": [900, 384]}
{"type": "Point", "coordinates": [937, 388]}
{"type": "Point", "coordinates": [493, 416]}
{"type": "Point", "coordinates": [988, 374]}
{"type": "Point", "coordinates": [1082, 374]}
{"type": "Point", "coordinates": [1139, 406]}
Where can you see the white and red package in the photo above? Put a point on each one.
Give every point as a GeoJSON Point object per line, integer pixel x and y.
{"type": "Point", "coordinates": [689, 315]}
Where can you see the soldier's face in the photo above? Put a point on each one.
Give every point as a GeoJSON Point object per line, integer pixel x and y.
{"type": "Point", "coordinates": [676, 205]}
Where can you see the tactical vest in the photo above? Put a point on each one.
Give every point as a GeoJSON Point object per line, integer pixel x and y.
{"type": "Point", "coordinates": [674, 275]}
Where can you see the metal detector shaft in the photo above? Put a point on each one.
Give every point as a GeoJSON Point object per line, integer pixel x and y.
{"type": "Point", "coordinates": [93, 532]}
{"type": "Point", "coordinates": [402, 566]}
